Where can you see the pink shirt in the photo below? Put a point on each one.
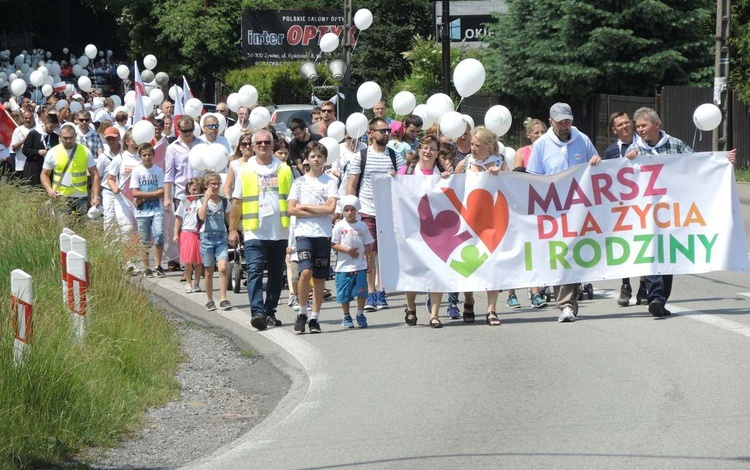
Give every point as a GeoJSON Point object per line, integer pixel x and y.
{"type": "Point", "coordinates": [433, 171]}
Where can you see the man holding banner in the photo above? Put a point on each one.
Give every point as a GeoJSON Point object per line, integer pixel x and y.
{"type": "Point", "coordinates": [651, 140]}
{"type": "Point", "coordinates": [559, 149]}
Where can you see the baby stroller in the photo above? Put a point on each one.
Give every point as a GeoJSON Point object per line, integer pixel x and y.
{"type": "Point", "coordinates": [236, 267]}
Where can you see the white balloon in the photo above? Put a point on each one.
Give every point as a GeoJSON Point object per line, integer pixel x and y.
{"type": "Point", "coordinates": [469, 120]}
{"type": "Point", "coordinates": [47, 89]}
{"type": "Point", "coordinates": [195, 157]}
{"type": "Point", "coordinates": [75, 106]}
{"type": "Point", "coordinates": [36, 78]}
{"type": "Point", "coordinates": [109, 53]}
{"type": "Point", "coordinates": [260, 117]}
{"type": "Point", "coordinates": [233, 135]}
{"type": "Point", "coordinates": [421, 111]}
{"type": "Point", "coordinates": [123, 71]}
{"type": "Point", "coordinates": [332, 146]}
{"type": "Point", "coordinates": [248, 96]}
{"type": "Point", "coordinates": [43, 70]}
{"type": "Point", "coordinates": [363, 19]}
{"type": "Point", "coordinates": [337, 130]}
{"type": "Point", "coordinates": [54, 69]}
{"type": "Point", "coordinates": [49, 80]}
{"type": "Point", "coordinates": [329, 42]}
{"type": "Point", "coordinates": [147, 76]}
{"type": "Point", "coordinates": [193, 107]}
{"type": "Point", "coordinates": [510, 157]}
{"type": "Point", "coordinates": [368, 94]}
{"type": "Point", "coordinates": [12, 77]}
{"type": "Point", "coordinates": [500, 148]}
{"type": "Point", "coordinates": [157, 96]}
{"type": "Point", "coordinates": [233, 102]}
{"type": "Point", "coordinates": [452, 124]}
{"type": "Point", "coordinates": [90, 51]}
{"type": "Point", "coordinates": [404, 102]}
{"type": "Point", "coordinates": [215, 157]}
{"type": "Point", "coordinates": [707, 117]}
{"type": "Point", "coordinates": [84, 83]}
{"type": "Point", "coordinates": [437, 105]}
{"type": "Point", "coordinates": [148, 105]}
{"type": "Point", "coordinates": [143, 132]}
{"type": "Point", "coordinates": [356, 125]}
{"type": "Point", "coordinates": [84, 73]}
{"type": "Point", "coordinates": [468, 77]}
{"type": "Point", "coordinates": [18, 86]}
{"type": "Point", "coordinates": [175, 92]}
{"type": "Point", "coordinates": [130, 106]}
{"type": "Point", "coordinates": [130, 97]}
{"type": "Point", "coordinates": [60, 104]}
{"type": "Point", "coordinates": [101, 53]}
{"type": "Point", "coordinates": [161, 78]}
{"type": "Point", "coordinates": [77, 70]}
{"type": "Point", "coordinates": [65, 50]}
{"type": "Point", "coordinates": [498, 119]}
{"type": "Point", "coordinates": [83, 61]}
{"type": "Point", "coordinates": [116, 100]}
{"type": "Point", "coordinates": [149, 61]}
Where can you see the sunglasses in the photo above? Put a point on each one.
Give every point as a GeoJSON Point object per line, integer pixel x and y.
{"type": "Point", "coordinates": [212, 126]}
{"type": "Point", "coordinates": [187, 130]}
{"type": "Point", "coordinates": [245, 144]}
{"type": "Point", "coordinates": [382, 131]}
{"type": "Point", "coordinates": [326, 110]}
{"type": "Point", "coordinates": [262, 142]}
{"type": "Point", "coordinates": [84, 120]}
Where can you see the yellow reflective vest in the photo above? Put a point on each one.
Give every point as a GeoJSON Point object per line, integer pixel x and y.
{"type": "Point", "coordinates": [250, 193]}
{"type": "Point", "coordinates": [78, 171]}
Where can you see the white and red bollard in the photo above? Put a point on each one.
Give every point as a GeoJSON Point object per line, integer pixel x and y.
{"type": "Point", "coordinates": [75, 277]}
{"type": "Point", "coordinates": [22, 299]}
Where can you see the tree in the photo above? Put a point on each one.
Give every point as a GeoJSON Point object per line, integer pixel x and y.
{"type": "Point", "coordinates": [543, 50]}
{"type": "Point", "coordinates": [739, 43]}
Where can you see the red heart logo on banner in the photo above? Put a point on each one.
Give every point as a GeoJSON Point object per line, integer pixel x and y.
{"type": "Point", "coordinates": [487, 217]}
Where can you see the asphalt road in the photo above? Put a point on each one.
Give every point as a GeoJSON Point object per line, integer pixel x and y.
{"type": "Point", "coordinates": [616, 389]}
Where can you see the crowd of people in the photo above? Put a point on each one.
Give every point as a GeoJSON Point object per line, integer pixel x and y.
{"type": "Point", "coordinates": [285, 203]}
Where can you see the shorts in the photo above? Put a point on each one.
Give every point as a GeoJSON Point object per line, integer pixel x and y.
{"type": "Point", "coordinates": [372, 225]}
{"type": "Point", "coordinates": [151, 228]}
{"type": "Point", "coordinates": [350, 286]}
{"type": "Point", "coordinates": [214, 247]}
{"type": "Point", "coordinates": [314, 254]}
{"type": "Point", "coordinates": [295, 271]}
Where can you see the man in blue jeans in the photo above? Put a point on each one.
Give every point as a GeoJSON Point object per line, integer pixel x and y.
{"type": "Point", "coordinates": [259, 200]}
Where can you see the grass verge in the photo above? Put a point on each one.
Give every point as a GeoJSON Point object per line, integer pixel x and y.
{"type": "Point", "coordinates": [66, 395]}
{"type": "Point", "coordinates": [742, 174]}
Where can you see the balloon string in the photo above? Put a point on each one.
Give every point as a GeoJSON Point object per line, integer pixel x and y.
{"type": "Point", "coordinates": [458, 107]}
{"type": "Point", "coordinates": [698, 134]}
{"type": "Point", "coordinates": [318, 57]}
{"type": "Point", "coordinates": [356, 40]}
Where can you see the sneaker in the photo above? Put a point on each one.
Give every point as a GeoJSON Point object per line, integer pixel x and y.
{"type": "Point", "coordinates": [196, 288]}
{"type": "Point", "coordinates": [362, 320]}
{"type": "Point", "coordinates": [513, 301]}
{"type": "Point", "coordinates": [381, 303]}
{"type": "Point", "coordinates": [348, 322]}
{"type": "Point", "coordinates": [626, 292]}
{"type": "Point", "coordinates": [657, 309]}
{"type": "Point", "coordinates": [372, 302]}
{"type": "Point", "coordinates": [211, 306]}
{"type": "Point", "coordinates": [314, 326]}
{"type": "Point", "coordinates": [148, 273]}
{"type": "Point", "coordinates": [159, 272]}
{"type": "Point", "coordinates": [271, 320]}
{"type": "Point", "coordinates": [428, 305]}
{"type": "Point", "coordinates": [537, 301]}
{"type": "Point", "coordinates": [291, 300]}
{"type": "Point", "coordinates": [259, 322]}
{"type": "Point", "coordinates": [299, 325]}
{"type": "Point", "coordinates": [225, 305]}
{"type": "Point", "coordinates": [641, 297]}
{"type": "Point", "coordinates": [295, 303]}
{"type": "Point", "coordinates": [453, 312]}
{"type": "Point", "coordinates": [566, 315]}
{"type": "Point", "coordinates": [188, 289]}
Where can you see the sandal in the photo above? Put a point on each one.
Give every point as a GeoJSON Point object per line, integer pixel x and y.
{"type": "Point", "coordinates": [435, 323]}
{"type": "Point", "coordinates": [411, 317]}
{"type": "Point", "coordinates": [492, 319]}
{"type": "Point", "coordinates": [468, 313]}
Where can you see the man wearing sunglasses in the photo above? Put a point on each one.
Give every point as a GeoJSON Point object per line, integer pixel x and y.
{"type": "Point", "coordinates": [328, 115]}
{"type": "Point", "coordinates": [177, 169]}
{"type": "Point", "coordinates": [211, 134]}
{"type": "Point", "coordinates": [377, 159]}
{"type": "Point", "coordinates": [259, 202]}
{"type": "Point", "coordinates": [87, 136]}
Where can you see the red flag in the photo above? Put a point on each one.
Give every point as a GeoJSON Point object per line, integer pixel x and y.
{"type": "Point", "coordinates": [59, 87]}
{"type": "Point", "coordinates": [139, 113]}
{"type": "Point", "coordinates": [179, 110]}
{"type": "Point", "coordinates": [7, 126]}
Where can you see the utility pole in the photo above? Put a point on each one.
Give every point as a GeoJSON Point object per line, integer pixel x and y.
{"type": "Point", "coordinates": [347, 42]}
{"type": "Point", "coordinates": [722, 98]}
{"type": "Point", "coordinates": [446, 41]}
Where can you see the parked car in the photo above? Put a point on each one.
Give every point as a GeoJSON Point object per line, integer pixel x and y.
{"type": "Point", "coordinates": [284, 113]}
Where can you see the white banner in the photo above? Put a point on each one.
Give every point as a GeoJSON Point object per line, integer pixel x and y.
{"type": "Point", "coordinates": [671, 214]}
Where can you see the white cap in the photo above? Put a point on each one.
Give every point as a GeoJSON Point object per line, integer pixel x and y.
{"type": "Point", "coordinates": [350, 200]}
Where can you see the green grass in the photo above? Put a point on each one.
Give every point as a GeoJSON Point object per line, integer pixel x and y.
{"type": "Point", "coordinates": [68, 396]}
{"type": "Point", "coordinates": [246, 353]}
{"type": "Point", "coordinates": [742, 174]}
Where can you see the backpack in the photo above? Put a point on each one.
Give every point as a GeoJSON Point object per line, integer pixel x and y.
{"type": "Point", "coordinates": [363, 162]}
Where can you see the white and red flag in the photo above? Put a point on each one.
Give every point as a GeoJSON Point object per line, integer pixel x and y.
{"type": "Point", "coordinates": [139, 113]}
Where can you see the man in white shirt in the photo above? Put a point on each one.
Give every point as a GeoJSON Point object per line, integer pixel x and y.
{"type": "Point", "coordinates": [16, 142]}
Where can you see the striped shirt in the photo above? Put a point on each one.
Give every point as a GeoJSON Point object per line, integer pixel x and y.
{"type": "Point", "coordinates": [672, 145]}
{"type": "Point", "coordinates": [377, 164]}
{"type": "Point", "coordinates": [92, 140]}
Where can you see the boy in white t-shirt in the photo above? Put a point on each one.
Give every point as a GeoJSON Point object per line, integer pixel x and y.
{"type": "Point", "coordinates": [312, 200]}
{"type": "Point", "coordinates": [353, 243]}
{"type": "Point", "coordinates": [147, 183]}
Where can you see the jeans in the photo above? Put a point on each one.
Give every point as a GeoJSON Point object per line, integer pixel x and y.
{"type": "Point", "coordinates": [658, 288]}
{"type": "Point", "coordinates": [272, 253]}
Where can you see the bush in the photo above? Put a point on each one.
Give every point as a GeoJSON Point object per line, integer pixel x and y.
{"type": "Point", "coordinates": [67, 395]}
{"type": "Point", "coordinates": [277, 84]}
